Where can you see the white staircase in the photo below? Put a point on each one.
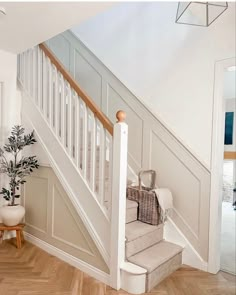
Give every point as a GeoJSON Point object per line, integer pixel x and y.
{"type": "Point", "coordinates": [146, 248]}
{"type": "Point", "coordinates": [89, 156]}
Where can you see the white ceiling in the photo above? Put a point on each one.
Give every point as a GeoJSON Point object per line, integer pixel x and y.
{"type": "Point", "coordinates": [28, 24]}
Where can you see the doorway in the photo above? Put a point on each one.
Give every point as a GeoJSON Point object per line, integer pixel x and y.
{"type": "Point", "coordinates": [228, 224]}
{"type": "Point", "coordinates": [217, 160]}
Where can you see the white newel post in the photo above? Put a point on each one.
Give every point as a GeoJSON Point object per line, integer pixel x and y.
{"type": "Point", "coordinates": [119, 180]}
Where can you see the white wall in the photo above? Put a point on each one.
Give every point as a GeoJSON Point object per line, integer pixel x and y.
{"type": "Point", "coordinates": [168, 66]}
{"type": "Point", "coordinates": [229, 84]}
{"type": "Point", "coordinates": [10, 102]}
{"type": "Point", "coordinates": [10, 112]}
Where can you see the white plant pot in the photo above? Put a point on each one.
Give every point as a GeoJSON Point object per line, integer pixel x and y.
{"type": "Point", "coordinates": [12, 215]}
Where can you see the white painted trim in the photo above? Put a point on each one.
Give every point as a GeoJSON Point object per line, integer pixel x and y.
{"type": "Point", "coordinates": [217, 152]}
{"type": "Point", "coordinates": [133, 278]}
{"type": "Point", "coordinates": [118, 216]}
{"type": "Point", "coordinates": [189, 256]}
{"type": "Point", "coordinates": [42, 164]}
{"type": "Point", "coordinates": [76, 262]}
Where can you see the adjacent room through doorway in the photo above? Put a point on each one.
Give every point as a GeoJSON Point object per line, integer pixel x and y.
{"type": "Point", "coordinates": [228, 226]}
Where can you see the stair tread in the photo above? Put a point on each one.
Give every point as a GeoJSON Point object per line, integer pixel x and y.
{"type": "Point", "coordinates": [138, 229]}
{"type": "Point", "coordinates": [131, 204]}
{"type": "Point", "coordinates": [154, 256]}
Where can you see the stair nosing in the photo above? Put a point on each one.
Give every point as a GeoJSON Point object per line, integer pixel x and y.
{"type": "Point", "coordinates": [146, 248]}
{"type": "Point", "coordinates": [154, 228]}
{"type": "Point", "coordinates": [169, 257]}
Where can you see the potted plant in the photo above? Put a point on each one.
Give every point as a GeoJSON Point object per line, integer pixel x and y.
{"type": "Point", "coordinates": [16, 167]}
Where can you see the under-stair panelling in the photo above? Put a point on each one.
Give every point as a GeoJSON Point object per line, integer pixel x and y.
{"type": "Point", "coordinates": [56, 221]}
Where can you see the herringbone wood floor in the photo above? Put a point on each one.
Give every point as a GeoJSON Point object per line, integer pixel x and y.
{"type": "Point", "coordinates": [31, 271]}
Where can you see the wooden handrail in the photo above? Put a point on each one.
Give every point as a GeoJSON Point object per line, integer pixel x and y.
{"type": "Point", "coordinates": [81, 93]}
{"type": "Point", "coordinates": [230, 155]}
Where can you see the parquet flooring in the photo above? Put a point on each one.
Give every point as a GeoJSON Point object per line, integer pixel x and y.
{"type": "Point", "coordinates": [31, 271]}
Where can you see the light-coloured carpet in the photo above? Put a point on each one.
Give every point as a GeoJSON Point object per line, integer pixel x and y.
{"type": "Point", "coordinates": [228, 238]}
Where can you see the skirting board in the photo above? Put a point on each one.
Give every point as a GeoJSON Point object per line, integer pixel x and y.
{"type": "Point", "coordinates": [81, 265]}
{"type": "Point", "coordinates": [190, 256]}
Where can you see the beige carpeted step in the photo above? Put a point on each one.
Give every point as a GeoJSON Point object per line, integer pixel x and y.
{"type": "Point", "coordinates": [140, 236]}
{"type": "Point", "coordinates": [131, 211]}
{"type": "Point", "coordinates": [160, 260]}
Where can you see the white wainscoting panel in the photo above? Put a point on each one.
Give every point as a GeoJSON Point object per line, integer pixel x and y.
{"type": "Point", "coordinates": [153, 146]}
{"type": "Point", "coordinates": [52, 218]}
{"type": "Point", "coordinates": [135, 123]}
{"type": "Point", "coordinates": [90, 79]}
{"type": "Point", "coordinates": [68, 232]}
{"type": "Point", "coordinates": [35, 202]}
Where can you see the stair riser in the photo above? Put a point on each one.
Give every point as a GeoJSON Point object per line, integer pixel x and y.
{"type": "Point", "coordinates": [131, 215]}
{"type": "Point", "coordinates": [143, 242]}
{"type": "Point", "coordinates": [163, 271]}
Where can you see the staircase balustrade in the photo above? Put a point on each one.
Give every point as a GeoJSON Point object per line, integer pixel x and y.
{"type": "Point", "coordinates": [86, 135]}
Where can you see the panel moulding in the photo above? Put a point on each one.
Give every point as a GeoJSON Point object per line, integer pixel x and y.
{"type": "Point", "coordinates": [89, 252]}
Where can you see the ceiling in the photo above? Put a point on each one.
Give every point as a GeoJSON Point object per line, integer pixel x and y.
{"type": "Point", "coordinates": [28, 24]}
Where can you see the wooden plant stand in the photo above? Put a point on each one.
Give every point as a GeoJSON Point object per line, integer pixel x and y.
{"type": "Point", "coordinates": [19, 232]}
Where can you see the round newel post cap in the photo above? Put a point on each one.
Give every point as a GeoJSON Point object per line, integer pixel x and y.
{"type": "Point", "coordinates": [121, 116]}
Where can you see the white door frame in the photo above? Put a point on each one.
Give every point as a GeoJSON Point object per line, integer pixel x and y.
{"type": "Point", "coordinates": [217, 158]}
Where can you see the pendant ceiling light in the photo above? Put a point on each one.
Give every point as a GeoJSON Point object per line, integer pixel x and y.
{"type": "Point", "coordinates": [199, 13]}
{"type": "Point", "coordinates": [2, 11]}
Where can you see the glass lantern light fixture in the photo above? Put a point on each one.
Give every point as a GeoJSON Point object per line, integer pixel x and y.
{"type": "Point", "coordinates": [199, 13]}
{"type": "Point", "coordinates": [2, 11]}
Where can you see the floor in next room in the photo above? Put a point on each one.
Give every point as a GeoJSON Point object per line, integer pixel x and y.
{"type": "Point", "coordinates": [228, 238]}
{"type": "Point", "coordinates": [32, 271]}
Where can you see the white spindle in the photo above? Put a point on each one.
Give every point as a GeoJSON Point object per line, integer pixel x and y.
{"type": "Point", "coordinates": [44, 86]}
{"type": "Point", "coordinates": [55, 96]}
{"type": "Point", "coordinates": [39, 78]}
{"type": "Point", "coordinates": [74, 100]}
{"type": "Point", "coordinates": [26, 80]}
{"type": "Point", "coordinates": [78, 133]}
{"type": "Point", "coordinates": [81, 128]}
{"type": "Point", "coordinates": [67, 99]}
{"type": "Point", "coordinates": [84, 140]}
{"type": "Point", "coordinates": [25, 70]}
{"type": "Point", "coordinates": [31, 73]}
{"type": "Point", "coordinates": [93, 151]}
{"type": "Point", "coordinates": [69, 121]}
{"type": "Point", "coordinates": [63, 94]}
{"type": "Point", "coordinates": [101, 175]}
{"type": "Point", "coordinates": [34, 74]}
{"type": "Point", "coordinates": [49, 90]}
